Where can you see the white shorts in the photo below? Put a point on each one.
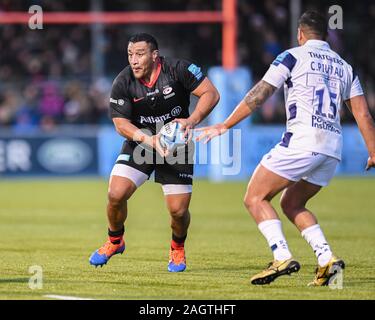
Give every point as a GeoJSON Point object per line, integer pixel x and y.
{"type": "Point", "coordinates": [295, 165]}
{"type": "Point", "coordinates": [139, 178]}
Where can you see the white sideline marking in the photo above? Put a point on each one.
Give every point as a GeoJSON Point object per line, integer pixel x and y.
{"type": "Point", "coordinates": [54, 296]}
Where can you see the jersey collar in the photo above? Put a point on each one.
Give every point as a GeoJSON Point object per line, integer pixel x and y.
{"type": "Point", "coordinates": [152, 81]}
{"type": "Point", "coordinates": [317, 43]}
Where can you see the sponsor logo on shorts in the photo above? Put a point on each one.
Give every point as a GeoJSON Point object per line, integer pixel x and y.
{"type": "Point", "coordinates": [186, 176]}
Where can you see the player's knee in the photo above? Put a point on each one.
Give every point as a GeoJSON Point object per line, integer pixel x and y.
{"type": "Point", "coordinates": [251, 202]}
{"type": "Point", "coordinates": [285, 204]}
{"type": "Point", "coordinates": [118, 194]}
{"type": "Point", "coordinates": [117, 198]}
{"type": "Point", "coordinates": [178, 212]}
{"type": "Point", "coordinates": [289, 205]}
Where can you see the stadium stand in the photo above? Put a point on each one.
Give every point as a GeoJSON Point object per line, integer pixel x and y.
{"type": "Point", "coordinates": [46, 78]}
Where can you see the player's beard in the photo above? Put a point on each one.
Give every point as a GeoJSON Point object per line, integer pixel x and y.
{"type": "Point", "coordinates": [143, 72]}
{"type": "Point", "coordinates": [138, 73]}
{"type": "Point", "coordinates": [146, 71]}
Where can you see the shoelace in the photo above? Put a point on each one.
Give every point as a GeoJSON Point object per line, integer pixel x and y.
{"type": "Point", "coordinates": [270, 265]}
{"type": "Point", "coordinates": [320, 275]}
{"type": "Point", "coordinates": [177, 256]}
{"type": "Point", "coordinates": [108, 247]}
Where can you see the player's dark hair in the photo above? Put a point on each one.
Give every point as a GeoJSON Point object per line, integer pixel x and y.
{"type": "Point", "coordinates": [145, 37]}
{"type": "Point", "coordinates": [314, 22]}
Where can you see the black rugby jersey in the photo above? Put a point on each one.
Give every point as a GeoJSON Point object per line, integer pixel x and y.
{"type": "Point", "coordinates": [166, 98]}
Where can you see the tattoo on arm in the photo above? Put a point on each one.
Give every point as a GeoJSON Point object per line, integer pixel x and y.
{"type": "Point", "coordinates": [259, 94]}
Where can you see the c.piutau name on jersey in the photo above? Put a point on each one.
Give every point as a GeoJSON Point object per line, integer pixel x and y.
{"type": "Point", "coordinates": [327, 68]}
{"type": "Point", "coordinates": [324, 67]}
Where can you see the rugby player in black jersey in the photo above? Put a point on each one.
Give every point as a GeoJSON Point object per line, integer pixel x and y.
{"type": "Point", "coordinates": [150, 92]}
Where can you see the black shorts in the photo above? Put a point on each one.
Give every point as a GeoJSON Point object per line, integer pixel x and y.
{"type": "Point", "coordinates": [178, 168]}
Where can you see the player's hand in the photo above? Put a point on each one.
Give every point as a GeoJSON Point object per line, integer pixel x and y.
{"type": "Point", "coordinates": [211, 132]}
{"type": "Point", "coordinates": [164, 152]}
{"type": "Point", "coordinates": [187, 125]}
{"type": "Point", "coordinates": [370, 163]}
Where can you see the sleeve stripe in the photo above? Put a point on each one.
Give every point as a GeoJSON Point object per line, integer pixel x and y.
{"type": "Point", "coordinates": [292, 111]}
{"type": "Point", "coordinates": [286, 59]}
{"type": "Point", "coordinates": [289, 61]}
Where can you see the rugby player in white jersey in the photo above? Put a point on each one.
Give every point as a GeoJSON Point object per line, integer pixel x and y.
{"type": "Point", "coordinates": [316, 83]}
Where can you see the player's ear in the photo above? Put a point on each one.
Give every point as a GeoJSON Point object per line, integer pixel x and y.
{"type": "Point", "coordinates": [155, 55]}
{"type": "Point", "coordinates": [299, 36]}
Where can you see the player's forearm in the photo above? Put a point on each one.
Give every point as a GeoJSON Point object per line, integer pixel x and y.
{"type": "Point", "coordinates": [258, 95]}
{"type": "Point", "coordinates": [254, 98]}
{"type": "Point", "coordinates": [239, 113]}
{"type": "Point", "coordinates": [366, 125]}
{"type": "Point", "coordinates": [205, 105]}
{"type": "Point", "coordinates": [132, 133]}
{"type": "Point", "coordinates": [367, 128]}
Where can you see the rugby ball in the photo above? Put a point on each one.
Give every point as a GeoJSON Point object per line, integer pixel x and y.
{"type": "Point", "coordinates": [171, 136]}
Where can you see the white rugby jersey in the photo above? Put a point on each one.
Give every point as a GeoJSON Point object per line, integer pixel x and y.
{"type": "Point", "coordinates": [316, 83]}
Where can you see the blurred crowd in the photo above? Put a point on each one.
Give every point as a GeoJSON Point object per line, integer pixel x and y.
{"type": "Point", "coordinates": [46, 76]}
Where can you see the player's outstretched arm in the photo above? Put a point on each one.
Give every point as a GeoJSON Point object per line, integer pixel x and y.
{"type": "Point", "coordinates": [128, 130]}
{"type": "Point", "coordinates": [359, 108]}
{"type": "Point", "coordinates": [254, 98]}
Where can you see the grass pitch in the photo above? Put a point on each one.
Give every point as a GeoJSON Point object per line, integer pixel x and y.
{"type": "Point", "coordinates": [58, 224]}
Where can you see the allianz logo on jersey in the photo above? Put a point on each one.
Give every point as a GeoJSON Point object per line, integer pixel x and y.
{"type": "Point", "coordinates": [155, 119]}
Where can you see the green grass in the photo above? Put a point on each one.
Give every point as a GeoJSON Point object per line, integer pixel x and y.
{"type": "Point", "coordinates": [57, 224]}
